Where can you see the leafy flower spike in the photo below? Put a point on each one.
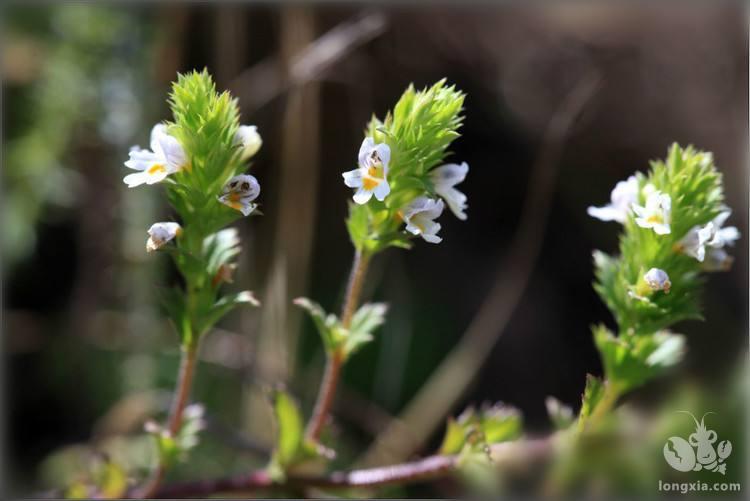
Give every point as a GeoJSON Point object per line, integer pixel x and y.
{"type": "Point", "coordinates": [371, 176]}
{"type": "Point", "coordinates": [622, 198]}
{"type": "Point", "coordinates": [420, 216]}
{"type": "Point", "coordinates": [161, 233]}
{"type": "Point", "coordinates": [657, 212]}
{"type": "Point", "coordinates": [165, 157]}
{"type": "Point", "coordinates": [444, 179]}
{"type": "Point", "coordinates": [240, 192]}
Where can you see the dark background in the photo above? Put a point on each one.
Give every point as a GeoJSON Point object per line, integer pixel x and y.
{"type": "Point", "coordinates": [82, 325]}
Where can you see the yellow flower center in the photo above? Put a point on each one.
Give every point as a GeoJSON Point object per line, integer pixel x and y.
{"type": "Point", "coordinates": [156, 168]}
{"type": "Point", "coordinates": [373, 177]}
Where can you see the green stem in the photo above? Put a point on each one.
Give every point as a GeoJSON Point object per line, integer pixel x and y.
{"type": "Point", "coordinates": [335, 360]}
{"type": "Point", "coordinates": [181, 395]}
{"type": "Point", "coordinates": [611, 394]}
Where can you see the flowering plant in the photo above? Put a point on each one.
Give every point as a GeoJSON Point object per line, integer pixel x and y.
{"type": "Point", "coordinates": [673, 221]}
{"type": "Point", "coordinates": [200, 158]}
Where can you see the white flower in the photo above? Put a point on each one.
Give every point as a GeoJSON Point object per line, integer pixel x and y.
{"type": "Point", "coordinates": [419, 217]}
{"type": "Point", "coordinates": [371, 176]}
{"type": "Point", "coordinates": [657, 280]}
{"type": "Point", "coordinates": [717, 260]}
{"type": "Point", "coordinates": [247, 136]}
{"type": "Point", "coordinates": [694, 242]}
{"type": "Point", "coordinates": [657, 213]}
{"type": "Point", "coordinates": [165, 157]}
{"type": "Point", "coordinates": [723, 236]}
{"type": "Point", "coordinates": [622, 198]}
{"type": "Point", "coordinates": [712, 235]}
{"type": "Point", "coordinates": [444, 178]}
{"type": "Point", "coordinates": [161, 233]}
{"type": "Point", "coordinates": [240, 192]}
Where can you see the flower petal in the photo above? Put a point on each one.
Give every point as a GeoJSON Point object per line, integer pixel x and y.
{"type": "Point", "coordinates": [362, 196]}
{"type": "Point", "coordinates": [353, 178]}
{"type": "Point", "coordinates": [382, 190]}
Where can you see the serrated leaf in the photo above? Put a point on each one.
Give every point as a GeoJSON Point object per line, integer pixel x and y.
{"type": "Point", "coordinates": [500, 423]}
{"type": "Point", "coordinates": [219, 249]}
{"type": "Point", "coordinates": [328, 325]}
{"type": "Point", "coordinates": [630, 361]}
{"type": "Point", "coordinates": [592, 395]}
{"type": "Point", "coordinates": [222, 307]}
{"type": "Point", "coordinates": [476, 430]}
{"type": "Point", "coordinates": [364, 321]}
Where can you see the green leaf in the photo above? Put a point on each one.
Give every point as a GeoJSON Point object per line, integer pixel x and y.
{"type": "Point", "coordinates": [454, 438]}
{"type": "Point", "coordinates": [630, 361]}
{"type": "Point", "coordinates": [220, 248]}
{"type": "Point", "coordinates": [358, 225]}
{"type": "Point", "coordinates": [220, 308]}
{"type": "Point", "coordinates": [328, 325]}
{"type": "Point", "coordinates": [500, 423]}
{"type": "Point", "coordinates": [365, 320]}
{"type": "Point", "coordinates": [592, 395]}
{"type": "Point", "coordinates": [476, 430]}
{"type": "Point", "coordinates": [290, 432]}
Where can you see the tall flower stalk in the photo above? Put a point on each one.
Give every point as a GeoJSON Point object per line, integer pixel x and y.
{"type": "Point", "coordinates": [200, 158]}
{"type": "Point", "coordinates": [401, 184]}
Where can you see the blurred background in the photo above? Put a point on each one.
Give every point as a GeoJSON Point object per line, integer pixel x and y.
{"type": "Point", "coordinates": [562, 102]}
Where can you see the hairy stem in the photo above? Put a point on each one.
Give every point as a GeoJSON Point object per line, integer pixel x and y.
{"type": "Point", "coordinates": [335, 360]}
{"type": "Point", "coordinates": [354, 287]}
{"type": "Point", "coordinates": [181, 395]}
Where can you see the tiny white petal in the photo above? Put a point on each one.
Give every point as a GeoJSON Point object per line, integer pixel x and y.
{"type": "Point", "coordinates": [247, 136]}
{"type": "Point", "coordinates": [419, 217]}
{"type": "Point", "coordinates": [656, 214]}
{"type": "Point", "coordinates": [382, 190]}
{"type": "Point", "coordinates": [444, 178]}
{"type": "Point", "coordinates": [362, 196]}
{"type": "Point", "coordinates": [623, 196]}
{"type": "Point", "coordinates": [353, 178]}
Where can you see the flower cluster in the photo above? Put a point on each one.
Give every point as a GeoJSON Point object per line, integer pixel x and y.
{"type": "Point", "coordinates": [400, 166]}
{"type": "Point", "coordinates": [705, 242]}
{"type": "Point", "coordinates": [673, 229]}
{"type": "Point", "coordinates": [371, 178]}
{"type": "Point", "coordinates": [201, 158]}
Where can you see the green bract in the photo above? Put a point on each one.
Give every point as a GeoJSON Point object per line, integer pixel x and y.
{"type": "Point", "coordinates": [335, 336]}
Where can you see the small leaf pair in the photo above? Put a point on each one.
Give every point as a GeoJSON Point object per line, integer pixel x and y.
{"type": "Point", "coordinates": [336, 337]}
